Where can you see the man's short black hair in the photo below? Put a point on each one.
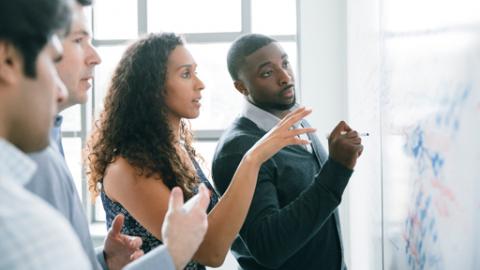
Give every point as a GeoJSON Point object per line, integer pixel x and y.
{"type": "Point", "coordinates": [243, 47]}
{"type": "Point", "coordinates": [28, 25]}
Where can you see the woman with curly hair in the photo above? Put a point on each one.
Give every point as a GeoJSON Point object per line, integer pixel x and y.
{"type": "Point", "coordinates": [142, 147]}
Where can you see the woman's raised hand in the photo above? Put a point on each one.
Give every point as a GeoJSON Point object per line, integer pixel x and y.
{"type": "Point", "coordinates": [280, 136]}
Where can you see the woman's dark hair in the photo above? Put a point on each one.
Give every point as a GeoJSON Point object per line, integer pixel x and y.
{"type": "Point", "coordinates": [28, 26]}
{"type": "Point", "coordinates": [134, 122]}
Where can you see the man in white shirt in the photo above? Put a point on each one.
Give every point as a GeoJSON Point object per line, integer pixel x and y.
{"type": "Point", "coordinates": [53, 181]}
{"type": "Point", "coordinates": [34, 236]}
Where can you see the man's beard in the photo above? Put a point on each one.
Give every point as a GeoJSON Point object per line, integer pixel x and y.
{"type": "Point", "coordinates": [267, 106]}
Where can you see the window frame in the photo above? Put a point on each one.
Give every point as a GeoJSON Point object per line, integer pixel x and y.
{"type": "Point", "coordinates": [87, 110]}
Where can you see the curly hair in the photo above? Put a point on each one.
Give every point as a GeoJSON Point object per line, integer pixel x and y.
{"type": "Point", "coordinates": [134, 125]}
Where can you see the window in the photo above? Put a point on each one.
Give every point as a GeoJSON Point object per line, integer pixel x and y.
{"type": "Point", "coordinates": [209, 27]}
{"type": "Point", "coordinates": [274, 17]}
{"type": "Point", "coordinates": [189, 16]}
{"type": "Point", "coordinates": [122, 23]}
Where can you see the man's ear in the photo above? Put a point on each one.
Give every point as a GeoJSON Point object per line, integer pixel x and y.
{"type": "Point", "coordinates": [9, 63]}
{"type": "Point", "coordinates": [240, 86]}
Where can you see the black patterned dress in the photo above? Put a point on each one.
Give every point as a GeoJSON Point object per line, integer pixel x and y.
{"type": "Point", "coordinates": [134, 228]}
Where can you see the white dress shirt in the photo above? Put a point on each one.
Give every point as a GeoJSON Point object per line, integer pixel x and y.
{"type": "Point", "coordinates": [266, 121]}
{"type": "Point", "coordinates": [33, 235]}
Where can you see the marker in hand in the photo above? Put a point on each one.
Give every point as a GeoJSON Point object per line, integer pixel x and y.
{"type": "Point", "coordinates": [360, 134]}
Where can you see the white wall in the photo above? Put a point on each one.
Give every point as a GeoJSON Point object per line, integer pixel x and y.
{"type": "Point", "coordinates": [322, 60]}
{"type": "Point", "coordinates": [322, 42]}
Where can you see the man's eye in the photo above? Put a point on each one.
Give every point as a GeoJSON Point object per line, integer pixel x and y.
{"type": "Point", "coordinates": [266, 74]}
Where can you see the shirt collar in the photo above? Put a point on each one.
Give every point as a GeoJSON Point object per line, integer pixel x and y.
{"type": "Point", "coordinates": [15, 165]}
{"type": "Point", "coordinates": [263, 119]}
{"type": "Point", "coordinates": [58, 121]}
{"type": "Point", "coordinates": [56, 134]}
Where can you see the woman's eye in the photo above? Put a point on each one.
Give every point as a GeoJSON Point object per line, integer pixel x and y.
{"type": "Point", "coordinates": [186, 75]}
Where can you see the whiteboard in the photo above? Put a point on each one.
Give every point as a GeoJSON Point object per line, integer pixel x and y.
{"type": "Point", "coordinates": [416, 66]}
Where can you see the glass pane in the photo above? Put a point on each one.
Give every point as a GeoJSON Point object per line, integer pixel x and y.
{"type": "Point", "coordinates": [72, 119]}
{"type": "Point", "coordinates": [193, 16]}
{"type": "Point", "coordinates": [73, 154]}
{"type": "Point", "coordinates": [110, 57]}
{"type": "Point", "coordinates": [115, 19]}
{"type": "Point", "coordinates": [206, 149]}
{"type": "Point", "coordinates": [290, 48]}
{"type": "Point", "coordinates": [445, 15]}
{"type": "Point", "coordinates": [220, 101]}
{"type": "Point", "coordinates": [274, 17]}
{"type": "Point", "coordinates": [99, 212]}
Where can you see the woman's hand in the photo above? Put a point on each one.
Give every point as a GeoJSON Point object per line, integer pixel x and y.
{"type": "Point", "coordinates": [280, 136]}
